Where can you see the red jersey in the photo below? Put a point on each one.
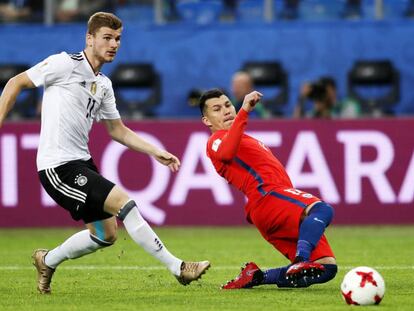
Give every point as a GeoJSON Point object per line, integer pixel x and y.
{"type": "Point", "coordinates": [274, 206]}
{"type": "Point", "coordinates": [246, 162]}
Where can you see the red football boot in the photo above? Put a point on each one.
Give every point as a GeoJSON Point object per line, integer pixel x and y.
{"type": "Point", "coordinates": [302, 269]}
{"type": "Point", "coordinates": [250, 276]}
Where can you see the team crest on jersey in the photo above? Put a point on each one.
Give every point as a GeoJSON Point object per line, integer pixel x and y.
{"type": "Point", "coordinates": [93, 88]}
{"type": "Point", "coordinates": [81, 180]}
{"type": "Point", "coordinates": [216, 144]}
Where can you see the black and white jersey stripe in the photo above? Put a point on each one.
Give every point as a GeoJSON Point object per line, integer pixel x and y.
{"type": "Point", "coordinates": [64, 188]}
{"type": "Point", "coordinates": [76, 56]}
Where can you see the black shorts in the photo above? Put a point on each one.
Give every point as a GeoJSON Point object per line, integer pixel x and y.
{"type": "Point", "coordinates": [78, 187]}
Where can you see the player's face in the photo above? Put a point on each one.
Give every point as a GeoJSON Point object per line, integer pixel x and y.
{"type": "Point", "coordinates": [219, 113]}
{"type": "Point", "coordinates": [105, 44]}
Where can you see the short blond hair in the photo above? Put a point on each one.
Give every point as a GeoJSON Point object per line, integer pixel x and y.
{"type": "Point", "coordinates": [103, 19]}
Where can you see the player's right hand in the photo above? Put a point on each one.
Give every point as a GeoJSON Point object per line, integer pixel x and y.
{"type": "Point", "coordinates": [250, 100]}
{"type": "Point", "coordinates": [168, 159]}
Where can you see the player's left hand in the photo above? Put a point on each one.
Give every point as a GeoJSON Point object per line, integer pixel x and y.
{"type": "Point", "coordinates": [250, 100]}
{"type": "Point", "coordinates": [168, 159]}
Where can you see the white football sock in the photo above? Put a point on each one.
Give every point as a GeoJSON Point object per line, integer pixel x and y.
{"type": "Point", "coordinates": [142, 234]}
{"type": "Point", "coordinates": [76, 246]}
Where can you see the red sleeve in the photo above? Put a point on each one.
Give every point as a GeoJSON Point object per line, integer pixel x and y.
{"type": "Point", "coordinates": [226, 149]}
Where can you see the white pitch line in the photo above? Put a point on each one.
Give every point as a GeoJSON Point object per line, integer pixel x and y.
{"type": "Point", "coordinates": [90, 267]}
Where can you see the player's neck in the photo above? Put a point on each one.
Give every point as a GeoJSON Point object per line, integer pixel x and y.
{"type": "Point", "coordinates": [95, 64]}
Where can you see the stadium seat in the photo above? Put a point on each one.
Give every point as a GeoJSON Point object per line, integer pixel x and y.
{"type": "Point", "coordinates": [199, 12]}
{"type": "Point", "coordinates": [352, 9]}
{"type": "Point", "coordinates": [26, 103]}
{"type": "Point", "coordinates": [409, 10]}
{"type": "Point", "coordinates": [250, 11]}
{"type": "Point", "coordinates": [137, 88]}
{"type": "Point", "coordinates": [272, 79]}
{"type": "Point", "coordinates": [375, 84]}
{"type": "Point", "coordinates": [319, 10]}
{"type": "Point", "coordinates": [289, 10]}
{"type": "Point", "coordinates": [140, 14]}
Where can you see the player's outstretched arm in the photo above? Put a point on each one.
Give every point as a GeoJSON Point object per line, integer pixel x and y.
{"type": "Point", "coordinates": [10, 92]}
{"type": "Point", "coordinates": [231, 141]}
{"type": "Point", "coordinates": [125, 136]}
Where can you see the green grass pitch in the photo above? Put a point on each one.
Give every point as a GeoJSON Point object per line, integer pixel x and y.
{"type": "Point", "coordinates": [124, 277]}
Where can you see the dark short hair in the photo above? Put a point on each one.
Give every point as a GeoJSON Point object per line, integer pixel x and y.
{"type": "Point", "coordinates": [103, 19]}
{"type": "Point", "coordinates": [212, 93]}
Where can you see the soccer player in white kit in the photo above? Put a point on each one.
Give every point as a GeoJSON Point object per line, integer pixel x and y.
{"type": "Point", "coordinates": [75, 94]}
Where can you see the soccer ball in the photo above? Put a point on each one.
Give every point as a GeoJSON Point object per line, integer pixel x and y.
{"type": "Point", "coordinates": [363, 286]}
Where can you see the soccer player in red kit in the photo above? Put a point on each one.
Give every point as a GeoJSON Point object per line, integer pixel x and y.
{"type": "Point", "coordinates": [291, 220]}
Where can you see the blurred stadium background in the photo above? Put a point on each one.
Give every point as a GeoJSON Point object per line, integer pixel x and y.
{"type": "Point", "coordinates": [362, 163]}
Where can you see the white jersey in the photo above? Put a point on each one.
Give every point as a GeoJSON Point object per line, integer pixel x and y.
{"type": "Point", "coordinates": [73, 97]}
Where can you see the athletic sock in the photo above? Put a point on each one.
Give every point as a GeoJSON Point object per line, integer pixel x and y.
{"type": "Point", "coordinates": [312, 229]}
{"type": "Point", "coordinates": [278, 276]}
{"type": "Point", "coordinates": [143, 235]}
{"type": "Point", "coordinates": [275, 276]}
{"type": "Point", "coordinates": [76, 246]}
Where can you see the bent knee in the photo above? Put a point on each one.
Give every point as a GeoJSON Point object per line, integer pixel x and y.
{"type": "Point", "coordinates": [323, 210]}
{"type": "Point", "coordinates": [115, 200]}
{"type": "Point", "coordinates": [330, 211]}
